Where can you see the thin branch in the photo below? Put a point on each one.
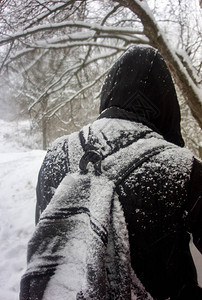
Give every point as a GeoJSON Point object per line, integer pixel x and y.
{"type": "Point", "coordinates": [61, 105]}
{"type": "Point", "coordinates": [9, 50]}
{"type": "Point", "coordinates": [36, 60]}
{"type": "Point", "coordinates": [84, 25]}
{"type": "Point", "coordinates": [83, 65]}
{"type": "Point", "coordinates": [87, 36]}
{"type": "Point", "coordinates": [19, 54]}
{"type": "Point", "coordinates": [64, 122]}
{"type": "Point", "coordinates": [95, 37]}
{"type": "Point", "coordinates": [76, 44]}
{"type": "Point", "coordinates": [110, 13]}
{"type": "Point", "coordinates": [50, 11]}
{"type": "Point", "coordinates": [78, 66]}
{"type": "Point", "coordinates": [127, 39]}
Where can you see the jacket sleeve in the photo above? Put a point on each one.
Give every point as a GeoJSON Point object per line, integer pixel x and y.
{"type": "Point", "coordinates": [195, 204]}
{"type": "Point", "coordinates": [54, 168]}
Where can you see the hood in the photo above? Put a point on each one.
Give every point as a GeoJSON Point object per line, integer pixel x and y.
{"type": "Point", "coordinates": [140, 84]}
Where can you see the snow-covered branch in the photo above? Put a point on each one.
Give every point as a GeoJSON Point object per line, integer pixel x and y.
{"type": "Point", "coordinates": [77, 44]}
{"type": "Point", "coordinates": [183, 56]}
{"type": "Point", "coordinates": [69, 24]}
{"type": "Point", "coordinates": [87, 36]}
{"type": "Point", "coordinates": [50, 89]}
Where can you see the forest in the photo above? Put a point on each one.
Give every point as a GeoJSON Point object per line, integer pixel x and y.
{"type": "Point", "coordinates": [54, 56]}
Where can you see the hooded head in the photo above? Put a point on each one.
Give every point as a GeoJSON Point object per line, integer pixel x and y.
{"type": "Point", "coordinates": [140, 84]}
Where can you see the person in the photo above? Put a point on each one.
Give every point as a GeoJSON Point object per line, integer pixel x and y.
{"type": "Point", "coordinates": [161, 198]}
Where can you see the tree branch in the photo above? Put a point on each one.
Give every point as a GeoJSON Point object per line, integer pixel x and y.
{"type": "Point", "coordinates": [186, 63]}
{"type": "Point", "coordinates": [76, 44]}
{"type": "Point", "coordinates": [8, 52]}
{"type": "Point", "coordinates": [50, 11]}
{"type": "Point", "coordinates": [49, 90]}
{"type": "Point", "coordinates": [51, 112]}
{"type": "Point", "coordinates": [110, 13]}
{"type": "Point", "coordinates": [84, 25]}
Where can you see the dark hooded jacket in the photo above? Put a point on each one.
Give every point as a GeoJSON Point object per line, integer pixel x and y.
{"type": "Point", "coordinates": [139, 88]}
{"type": "Point", "coordinates": [159, 211]}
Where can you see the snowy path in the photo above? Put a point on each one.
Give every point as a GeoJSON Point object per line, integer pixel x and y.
{"type": "Point", "coordinates": [18, 176]}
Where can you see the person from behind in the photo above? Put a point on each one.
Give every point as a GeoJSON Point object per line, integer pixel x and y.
{"type": "Point", "coordinates": [161, 194]}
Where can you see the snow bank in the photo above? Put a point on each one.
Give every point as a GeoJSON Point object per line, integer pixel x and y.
{"type": "Point", "coordinates": [18, 175]}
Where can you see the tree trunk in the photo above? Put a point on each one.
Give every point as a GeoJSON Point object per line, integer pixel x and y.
{"type": "Point", "coordinates": [189, 90]}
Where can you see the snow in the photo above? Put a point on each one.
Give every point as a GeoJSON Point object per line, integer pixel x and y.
{"type": "Point", "coordinates": [19, 168]}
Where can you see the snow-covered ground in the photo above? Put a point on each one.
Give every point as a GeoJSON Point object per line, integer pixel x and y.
{"type": "Point", "coordinates": [19, 168]}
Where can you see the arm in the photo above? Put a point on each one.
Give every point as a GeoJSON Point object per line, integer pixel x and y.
{"type": "Point", "coordinates": [54, 168]}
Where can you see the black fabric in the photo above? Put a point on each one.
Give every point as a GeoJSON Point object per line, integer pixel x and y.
{"type": "Point", "coordinates": [159, 244]}
{"type": "Point", "coordinates": [140, 82]}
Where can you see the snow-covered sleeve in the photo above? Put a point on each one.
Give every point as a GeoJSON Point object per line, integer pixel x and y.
{"type": "Point", "coordinates": [54, 168]}
{"type": "Point", "coordinates": [195, 204]}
